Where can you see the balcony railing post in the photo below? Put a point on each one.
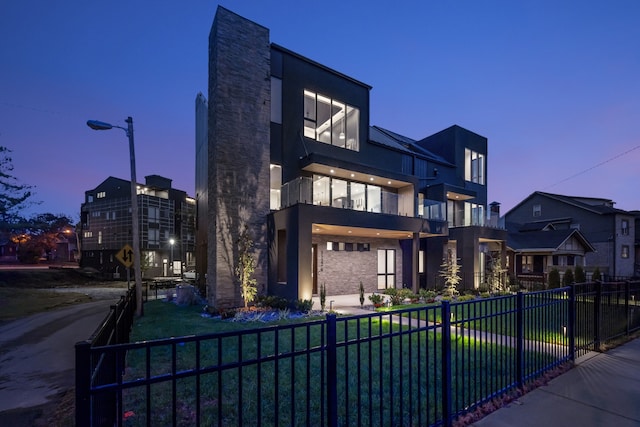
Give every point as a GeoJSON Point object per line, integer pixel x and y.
{"type": "Point", "coordinates": [446, 364]}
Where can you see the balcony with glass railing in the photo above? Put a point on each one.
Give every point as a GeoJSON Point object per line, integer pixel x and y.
{"type": "Point", "coordinates": [343, 194]}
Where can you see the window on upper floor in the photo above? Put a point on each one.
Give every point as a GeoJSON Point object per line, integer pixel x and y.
{"type": "Point", "coordinates": [624, 253]}
{"type": "Point", "coordinates": [101, 195]}
{"type": "Point", "coordinates": [153, 236]}
{"type": "Point", "coordinates": [275, 185]}
{"type": "Point", "coordinates": [474, 166]}
{"type": "Point", "coordinates": [331, 121]}
{"type": "Point", "coordinates": [153, 214]}
{"type": "Point", "coordinates": [624, 227]}
{"type": "Point", "coordinates": [537, 210]}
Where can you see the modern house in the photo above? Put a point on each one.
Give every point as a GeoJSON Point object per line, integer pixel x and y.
{"type": "Point", "coordinates": [606, 238]}
{"type": "Point", "coordinates": [165, 215]}
{"type": "Point", "coordinates": [290, 157]}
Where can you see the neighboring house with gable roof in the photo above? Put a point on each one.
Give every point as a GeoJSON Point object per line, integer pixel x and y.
{"type": "Point", "coordinates": [610, 232]}
{"type": "Point", "coordinates": [534, 252]}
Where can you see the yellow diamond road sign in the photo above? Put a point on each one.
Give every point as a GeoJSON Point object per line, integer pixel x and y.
{"type": "Point", "coordinates": [125, 256]}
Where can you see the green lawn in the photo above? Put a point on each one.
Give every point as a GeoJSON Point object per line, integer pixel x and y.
{"type": "Point", "coordinates": [390, 379]}
{"type": "Point", "coordinates": [544, 316]}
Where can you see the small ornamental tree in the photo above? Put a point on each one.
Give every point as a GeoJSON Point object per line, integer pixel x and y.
{"type": "Point", "coordinates": [450, 271]}
{"type": "Point", "coordinates": [361, 289]}
{"type": "Point", "coordinates": [554, 278]}
{"type": "Point", "coordinates": [567, 279]}
{"type": "Point", "coordinates": [579, 275]}
{"type": "Point", "coordinates": [496, 276]}
{"type": "Point", "coordinates": [245, 267]}
{"type": "Point", "coordinates": [323, 296]}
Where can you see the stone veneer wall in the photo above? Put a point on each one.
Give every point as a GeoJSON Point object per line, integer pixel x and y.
{"type": "Point", "coordinates": [238, 155]}
{"type": "Point", "coordinates": [342, 271]}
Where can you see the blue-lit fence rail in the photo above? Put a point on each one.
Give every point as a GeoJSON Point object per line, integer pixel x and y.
{"type": "Point", "coordinates": [420, 366]}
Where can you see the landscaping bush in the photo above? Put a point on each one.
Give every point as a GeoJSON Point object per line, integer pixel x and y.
{"type": "Point", "coordinates": [567, 279]}
{"type": "Point", "coordinates": [427, 295]}
{"type": "Point", "coordinates": [580, 277]}
{"type": "Point", "coordinates": [465, 298]}
{"type": "Point", "coordinates": [376, 299]}
{"type": "Point", "coordinates": [554, 278]}
{"type": "Point", "coordinates": [304, 305]}
{"type": "Point", "coordinates": [272, 301]}
{"type": "Point", "coordinates": [596, 277]}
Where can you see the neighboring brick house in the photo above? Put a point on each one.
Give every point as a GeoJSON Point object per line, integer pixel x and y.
{"type": "Point", "coordinates": [165, 213]}
{"type": "Point", "coordinates": [610, 231]}
{"type": "Point", "coordinates": [327, 198]}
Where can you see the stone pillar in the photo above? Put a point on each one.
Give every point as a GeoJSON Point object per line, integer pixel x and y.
{"type": "Point", "coordinates": [238, 151]}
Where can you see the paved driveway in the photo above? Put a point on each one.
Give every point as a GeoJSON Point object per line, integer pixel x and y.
{"type": "Point", "coordinates": [37, 358]}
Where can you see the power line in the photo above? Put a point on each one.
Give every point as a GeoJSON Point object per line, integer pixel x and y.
{"type": "Point", "coordinates": [593, 167]}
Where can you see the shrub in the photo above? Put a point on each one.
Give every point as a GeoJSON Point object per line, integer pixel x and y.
{"type": "Point", "coordinates": [465, 298]}
{"type": "Point", "coordinates": [397, 296]}
{"type": "Point", "coordinates": [273, 302]}
{"type": "Point", "coordinates": [596, 275]}
{"type": "Point", "coordinates": [304, 305]}
{"type": "Point", "coordinates": [376, 299]}
{"type": "Point", "coordinates": [227, 313]}
{"type": "Point", "coordinates": [427, 295]}
{"type": "Point", "coordinates": [485, 295]}
{"type": "Point", "coordinates": [361, 289]}
{"type": "Point", "coordinates": [323, 296]}
{"type": "Point", "coordinates": [483, 289]}
{"type": "Point", "coordinates": [579, 275]}
{"type": "Point", "coordinates": [567, 279]}
{"type": "Point", "coordinates": [554, 278]}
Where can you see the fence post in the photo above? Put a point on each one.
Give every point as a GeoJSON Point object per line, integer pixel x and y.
{"type": "Point", "coordinates": [446, 364]}
{"type": "Point", "coordinates": [83, 383]}
{"type": "Point", "coordinates": [332, 374]}
{"type": "Point", "coordinates": [571, 322]}
{"type": "Point", "coordinates": [597, 302]}
{"type": "Point", "coordinates": [627, 314]}
{"type": "Point", "coordinates": [520, 338]}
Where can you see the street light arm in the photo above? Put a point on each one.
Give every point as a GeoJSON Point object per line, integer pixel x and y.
{"type": "Point", "coordinates": [98, 125]}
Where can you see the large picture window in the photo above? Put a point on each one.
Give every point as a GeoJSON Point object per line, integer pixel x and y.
{"type": "Point", "coordinates": [386, 268]}
{"type": "Point", "coordinates": [474, 166]}
{"type": "Point", "coordinates": [331, 121]}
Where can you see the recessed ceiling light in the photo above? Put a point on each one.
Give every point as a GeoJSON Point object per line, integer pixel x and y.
{"type": "Point", "coordinates": [352, 175]}
{"type": "Point", "coordinates": [349, 231]}
{"type": "Point", "coordinates": [332, 171]}
{"type": "Point", "coordinates": [371, 178]}
{"type": "Point", "coordinates": [389, 182]}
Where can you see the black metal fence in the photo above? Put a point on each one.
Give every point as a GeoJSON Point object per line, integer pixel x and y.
{"type": "Point", "coordinates": [94, 368]}
{"type": "Point", "coordinates": [419, 366]}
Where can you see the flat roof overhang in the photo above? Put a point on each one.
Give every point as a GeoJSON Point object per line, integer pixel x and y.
{"type": "Point", "coordinates": [341, 230]}
{"type": "Point", "coordinates": [355, 172]}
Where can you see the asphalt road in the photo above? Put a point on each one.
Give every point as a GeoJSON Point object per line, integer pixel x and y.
{"type": "Point", "coordinates": [37, 355]}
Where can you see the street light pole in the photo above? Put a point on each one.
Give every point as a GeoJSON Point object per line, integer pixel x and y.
{"type": "Point", "coordinates": [171, 242]}
{"type": "Point", "coordinates": [135, 226]}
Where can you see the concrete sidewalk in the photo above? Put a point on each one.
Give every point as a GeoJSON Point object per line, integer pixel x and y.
{"type": "Point", "coordinates": [602, 390]}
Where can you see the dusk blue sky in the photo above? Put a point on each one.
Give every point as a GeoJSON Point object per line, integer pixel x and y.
{"type": "Point", "coordinates": [553, 85]}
